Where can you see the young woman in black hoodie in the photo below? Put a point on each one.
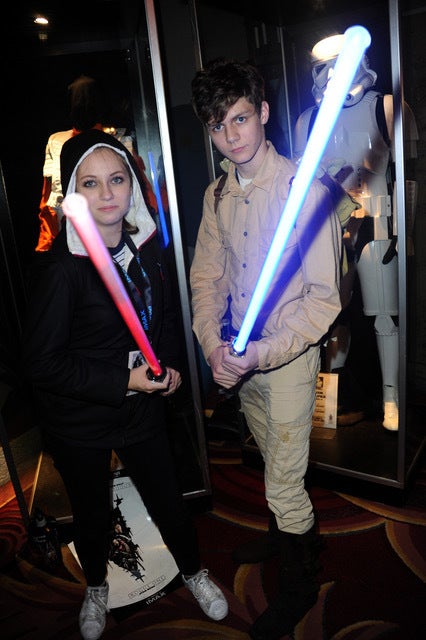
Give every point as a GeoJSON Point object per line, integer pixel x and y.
{"type": "Point", "coordinates": [78, 353]}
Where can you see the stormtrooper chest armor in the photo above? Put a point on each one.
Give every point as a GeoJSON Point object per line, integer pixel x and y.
{"type": "Point", "coordinates": [359, 156]}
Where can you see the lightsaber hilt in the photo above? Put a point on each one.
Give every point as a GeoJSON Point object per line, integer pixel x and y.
{"type": "Point", "coordinates": [234, 352]}
{"type": "Point", "coordinates": [155, 378]}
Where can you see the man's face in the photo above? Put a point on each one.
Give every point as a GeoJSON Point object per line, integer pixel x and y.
{"type": "Point", "coordinates": [240, 136]}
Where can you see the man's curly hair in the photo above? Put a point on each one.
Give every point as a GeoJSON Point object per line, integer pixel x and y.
{"type": "Point", "coordinates": [222, 82]}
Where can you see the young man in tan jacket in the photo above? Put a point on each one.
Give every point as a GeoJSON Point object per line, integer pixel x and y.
{"type": "Point", "coordinates": [276, 376]}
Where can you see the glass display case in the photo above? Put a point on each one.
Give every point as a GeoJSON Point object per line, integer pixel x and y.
{"type": "Point", "coordinates": [280, 42]}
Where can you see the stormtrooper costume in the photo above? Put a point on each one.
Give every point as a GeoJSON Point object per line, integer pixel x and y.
{"type": "Point", "coordinates": [359, 156]}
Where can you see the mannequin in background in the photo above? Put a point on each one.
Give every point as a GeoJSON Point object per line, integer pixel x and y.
{"type": "Point", "coordinates": [359, 157]}
{"type": "Point", "coordinates": [86, 112]}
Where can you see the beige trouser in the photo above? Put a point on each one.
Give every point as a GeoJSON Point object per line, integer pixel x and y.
{"type": "Point", "coordinates": [278, 406]}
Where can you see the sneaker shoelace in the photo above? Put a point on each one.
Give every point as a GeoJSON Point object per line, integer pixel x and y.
{"type": "Point", "coordinates": [95, 605]}
{"type": "Point", "coordinates": [204, 587]}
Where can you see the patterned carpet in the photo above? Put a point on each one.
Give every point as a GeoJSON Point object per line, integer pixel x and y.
{"type": "Point", "coordinates": [372, 578]}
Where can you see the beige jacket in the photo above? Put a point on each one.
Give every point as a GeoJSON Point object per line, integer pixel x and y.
{"type": "Point", "coordinates": [232, 244]}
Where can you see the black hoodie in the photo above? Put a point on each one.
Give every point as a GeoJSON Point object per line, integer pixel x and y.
{"type": "Point", "coordinates": [76, 345]}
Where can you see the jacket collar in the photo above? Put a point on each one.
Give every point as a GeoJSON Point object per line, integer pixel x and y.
{"type": "Point", "coordinates": [263, 178]}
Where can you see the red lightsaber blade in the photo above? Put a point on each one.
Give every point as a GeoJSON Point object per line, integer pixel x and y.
{"type": "Point", "coordinates": [76, 209]}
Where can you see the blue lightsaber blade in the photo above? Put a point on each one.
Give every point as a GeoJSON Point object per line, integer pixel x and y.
{"type": "Point", "coordinates": [157, 192]}
{"type": "Point", "coordinates": [356, 41]}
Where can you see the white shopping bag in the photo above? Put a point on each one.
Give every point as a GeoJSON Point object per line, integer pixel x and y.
{"type": "Point", "coordinates": [140, 566]}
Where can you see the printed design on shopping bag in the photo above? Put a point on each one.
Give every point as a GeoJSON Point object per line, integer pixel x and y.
{"type": "Point", "coordinates": [123, 551]}
{"type": "Point", "coordinates": [140, 568]}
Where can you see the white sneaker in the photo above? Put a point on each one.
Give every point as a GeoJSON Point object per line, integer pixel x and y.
{"type": "Point", "coordinates": [209, 596]}
{"type": "Point", "coordinates": [93, 612]}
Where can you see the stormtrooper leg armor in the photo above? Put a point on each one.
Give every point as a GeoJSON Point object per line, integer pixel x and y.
{"type": "Point", "coordinates": [380, 299]}
{"type": "Point", "coordinates": [387, 344]}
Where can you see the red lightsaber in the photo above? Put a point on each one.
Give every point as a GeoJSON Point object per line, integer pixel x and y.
{"type": "Point", "coordinates": [75, 207]}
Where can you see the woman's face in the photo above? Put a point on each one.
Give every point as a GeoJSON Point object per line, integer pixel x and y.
{"type": "Point", "coordinates": [103, 178]}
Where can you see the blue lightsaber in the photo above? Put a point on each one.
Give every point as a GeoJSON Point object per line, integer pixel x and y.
{"type": "Point", "coordinates": [356, 41]}
{"type": "Point", "coordinates": [157, 192]}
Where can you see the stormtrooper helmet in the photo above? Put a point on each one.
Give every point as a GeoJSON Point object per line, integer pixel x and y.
{"type": "Point", "coordinates": [324, 56]}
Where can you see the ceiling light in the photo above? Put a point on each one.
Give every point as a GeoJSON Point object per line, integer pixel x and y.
{"type": "Point", "coordinates": [41, 20]}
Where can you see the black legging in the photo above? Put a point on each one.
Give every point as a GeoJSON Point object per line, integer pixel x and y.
{"type": "Point", "coordinates": [86, 476]}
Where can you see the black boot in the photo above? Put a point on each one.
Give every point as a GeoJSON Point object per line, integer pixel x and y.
{"type": "Point", "coordinates": [263, 548]}
{"type": "Point", "coordinates": [298, 587]}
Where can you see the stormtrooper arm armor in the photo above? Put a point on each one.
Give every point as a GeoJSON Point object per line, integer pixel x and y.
{"type": "Point", "coordinates": [410, 149]}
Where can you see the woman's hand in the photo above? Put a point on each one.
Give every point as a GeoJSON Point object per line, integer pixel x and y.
{"type": "Point", "coordinates": [139, 381]}
{"type": "Point", "coordinates": [175, 382]}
